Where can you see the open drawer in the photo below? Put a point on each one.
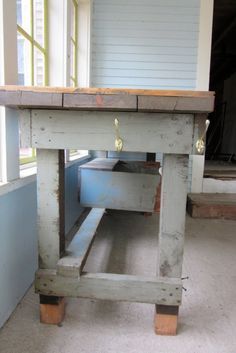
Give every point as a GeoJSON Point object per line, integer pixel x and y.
{"type": "Point", "coordinates": [121, 185]}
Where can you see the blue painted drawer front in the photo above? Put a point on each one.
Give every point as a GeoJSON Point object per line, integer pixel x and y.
{"type": "Point", "coordinates": [119, 190]}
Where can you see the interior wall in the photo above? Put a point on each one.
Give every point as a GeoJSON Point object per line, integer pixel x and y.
{"type": "Point", "coordinates": [18, 250]}
{"type": "Point", "coordinates": [18, 237]}
{"type": "Point", "coordinates": [151, 44]}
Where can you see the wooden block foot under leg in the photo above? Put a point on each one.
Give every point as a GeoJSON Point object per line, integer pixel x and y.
{"type": "Point", "coordinates": [166, 318]}
{"type": "Point", "coordinates": [52, 309]}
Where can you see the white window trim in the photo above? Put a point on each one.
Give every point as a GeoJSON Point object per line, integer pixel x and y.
{"type": "Point", "coordinates": [84, 41]}
{"type": "Point", "coordinates": [204, 45]}
{"type": "Point", "coordinates": [9, 146]}
{"type": "Point", "coordinates": [77, 160]}
{"type": "Point", "coordinates": [203, 79]}
{"type": "Point", "coordinates": [84, 35]}
{"type": "Point", "coordinates": [29, 176]}
{"type": "Point", "coordinates": [15, 176]}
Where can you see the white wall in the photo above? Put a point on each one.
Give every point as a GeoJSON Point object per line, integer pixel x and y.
{"type": "Point", "coordinates": [203, 79]}
{"type": "Point", "coordinates": [145, 44]}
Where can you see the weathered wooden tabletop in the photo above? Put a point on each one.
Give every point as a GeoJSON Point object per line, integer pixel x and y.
{"type": "Point", "coordinates": [107, 99]}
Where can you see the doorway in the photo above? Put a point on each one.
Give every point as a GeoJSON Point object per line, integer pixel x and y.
{"type": "Point", "coordinates": [221, 137]}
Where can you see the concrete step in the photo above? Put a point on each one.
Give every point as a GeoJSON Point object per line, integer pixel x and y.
{"type": "Point", "coordinates": [205, 205]}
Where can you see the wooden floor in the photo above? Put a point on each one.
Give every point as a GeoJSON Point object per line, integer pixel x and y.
{"type": "Point", "coordinates": [209, 205]}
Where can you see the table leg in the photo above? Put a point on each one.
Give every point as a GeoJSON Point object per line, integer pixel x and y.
{"type": "Point", "coordinates": [171, 233]}
{"type": "Point", "coordinates": [51, 224]}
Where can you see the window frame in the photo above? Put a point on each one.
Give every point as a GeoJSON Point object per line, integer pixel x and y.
{"type": "Point", "coordinates": [30, 37]}
{"type": "Point", "coordinates": [74, 42]}
{"type": "Point", "coordinates": [72, 155]}
{"type": "Point", "coordinates": [9, 158]}
{"type": "Point", "coordinates": [34, 43]}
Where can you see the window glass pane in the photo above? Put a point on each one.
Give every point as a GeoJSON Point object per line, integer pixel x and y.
{"type": "Point", "coordinates": [23, 15]}
{"type": "Point", "coordinates": [72, 20]}
{"type": "Point", "coordinates": [39, 78]}
{"type": "Point", "coordinates": [19, 12]}
{"type": "Point", "coordinates": [27, 155]}
{"type": "Point", "coordinates": [24, 60]}
{"type": "Point", "coordinates": [72, 63]}
{"type": "Point", "coordinates": [20, 58]}
{"type": "Point", "coordinates": [39, 21]}
{"type": "Point", "coordinates": [74, 154]}
{"type": "Point", "coordinates": [31, 61]}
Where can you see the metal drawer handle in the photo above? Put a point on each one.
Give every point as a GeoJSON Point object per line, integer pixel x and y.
{"type": "Point", "coordinates": [118, 140]}
{"type": "Point", "coordinates": [200, 144]}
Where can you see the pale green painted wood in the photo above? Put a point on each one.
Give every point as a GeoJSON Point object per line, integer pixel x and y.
{"type": "Point", "coordinates": [140, 132]}
{"type": "Point", "coordinates": [172, 216]}
{"type": "Point", "coordinates": [48, 191]}
{"type": "Point", "coordinates": [107, 286]}
{"type": "Point", "coordinates": [76, 254]}
{"type": "Point", "coordinates": [119, 190]}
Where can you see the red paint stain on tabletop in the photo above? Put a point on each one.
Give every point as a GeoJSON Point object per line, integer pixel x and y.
{"type": "Point", "coordinates": [99, 101]}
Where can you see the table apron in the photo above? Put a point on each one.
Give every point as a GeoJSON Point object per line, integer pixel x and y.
{"type": "Point", "coordinates": [140, 132]}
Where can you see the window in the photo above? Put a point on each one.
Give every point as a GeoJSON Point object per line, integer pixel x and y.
{"type": "Point", "coordinates": [32, 48]}
{"type": "Point", "coordinates": [74, 43]}
{"type": "Point", "coordinates": [73, 47]}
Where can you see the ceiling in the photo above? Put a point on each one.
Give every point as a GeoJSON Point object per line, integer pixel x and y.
{"type": "Point", "coordinates": [223, 60]}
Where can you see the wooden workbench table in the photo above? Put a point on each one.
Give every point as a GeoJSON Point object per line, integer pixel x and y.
{"type": "Point", "coordinates": [54, 119]}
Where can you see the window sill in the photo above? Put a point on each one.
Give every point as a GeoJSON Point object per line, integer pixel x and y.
{"type": "Point", "coordinates": [26, 172]}
{"type": "Point", "coordinates": [77, 159]}
{"type": "Point", "coordinates": [28, 175]}
{"type": "Point", "coordinates": [13, 185]}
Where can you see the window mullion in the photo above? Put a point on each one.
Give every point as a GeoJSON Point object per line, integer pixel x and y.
{"type": "Point", "coordinates": [76, 45]}
{"type": "Point", "coordinates": [31, 43]}
{"type": "Point", "coordinates": [36, 37]}
{"type": "Point", "coordinates": [45, 34]}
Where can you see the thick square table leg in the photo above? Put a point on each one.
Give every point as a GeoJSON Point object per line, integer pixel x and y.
{"type": "Point", "coordinates": [52, 310]}
{"type": "Point", "coordinates": [51, 228]}
{"type": "Point", "coordinates": [171, 234]}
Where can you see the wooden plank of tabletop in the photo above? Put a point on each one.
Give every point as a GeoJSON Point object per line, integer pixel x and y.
{"type": "Point", "coordinates": [119, 102]}
{"type": "Point", "coordinates": [30, 98]}
{"type": "Point", "coordinates": [193, 104]}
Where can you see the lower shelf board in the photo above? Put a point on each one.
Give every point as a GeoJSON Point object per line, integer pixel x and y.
{"type": "Point", "coordinates": [72, 263]}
